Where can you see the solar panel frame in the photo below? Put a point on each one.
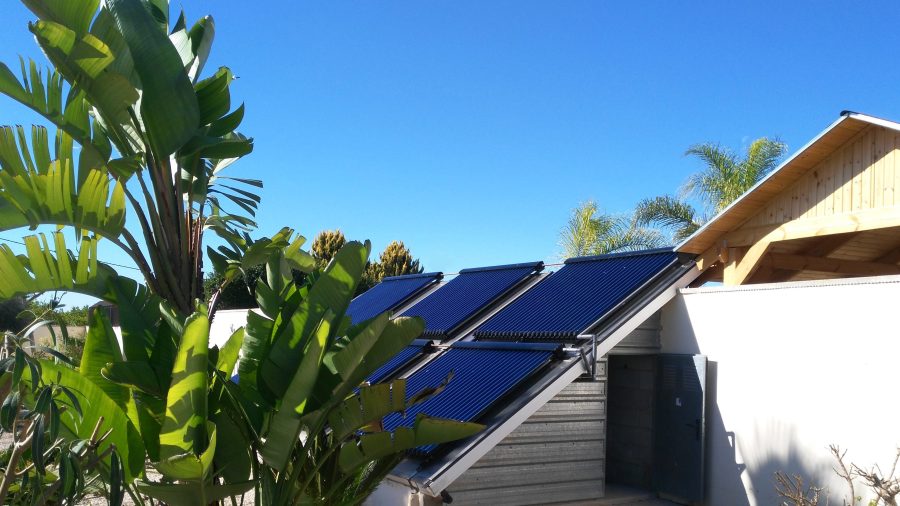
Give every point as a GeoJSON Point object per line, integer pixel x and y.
{"type": "Point", "coordinates": [470, 293]}
{"type": "Point", "coordinates": [406, 356]}
{"type": "Point", "coordinates": [390, 294]}
{"type": "Point", "coordinates": [483, 373]}
{"type": "Point", "coordinates": [573, 299]}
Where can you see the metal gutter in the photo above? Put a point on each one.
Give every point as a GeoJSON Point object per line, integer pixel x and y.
{"type": "Point", "coordinates": [886, 123]}
{"type": "Point", "coordinates": [438, 275]}
{"type": "Point", "coordinates": [537, 266]}
{"type": "Point", "coordinates": [605, 256]}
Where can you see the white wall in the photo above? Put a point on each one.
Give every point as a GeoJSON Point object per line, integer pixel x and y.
{"type": "Point", "coordinates": [224, 323]}
{"type": "Point", "coordinates": [793, 367]}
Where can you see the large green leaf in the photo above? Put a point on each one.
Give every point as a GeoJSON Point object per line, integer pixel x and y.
{"type": "Point", "coordinates": [135, 374]}
{"type": "Point", "coordinates": [368, 347]}
{"type": "Point", "coordinates": [74, 14]}
{"type": "Point", "coordinates": [213, 96]}
{"type": "Point", "coordinates": [425, 431]}
{"type": "Point", "coordinates": [230, 351]}
{"type": "Point", "coordinates": [182, 438]}
{"type": "Point", "coordinates": [168, 103]}
{"type": "Point", "coordinates": [36, 190]}
{"type": "Point", "coordinates": [46, 98]}
{"type": "Point", "coordinates": [190, 494]}
{"type": "Point", "coordinates": [101, 348]}
{"type": "Point", "coordinates": [233, 458]}
{"type": "Point", "coordinates": [188, 466]}
{"type": "Point", "coordinates": [201, 36]}
{"type": "Point", "coordinates": [284, 429]}
{"type": "Point", "coordinates": [96, 404]}
{"type": "Point", "coordinates": [331, 292]}
{"type": "Point", "coordinates": [365, 410]}
{"type": "Point", "coordinates": [254, 349]}
{"type": "Point", "coordinates": [368, 407]}
{"type": "Point", "coordinates": [39, 270]}
{"type": "Point", "coordinates": [81, 59]}
{"type": "Point", "coordinates": [369, 350]}
{"type": "Point", "coordinates": [43, 269]}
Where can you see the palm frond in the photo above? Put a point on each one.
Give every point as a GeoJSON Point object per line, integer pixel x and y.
{"type": "Point", "coordinates": [725, 177]}
{"type": "Point", "coordinates": [591, 232]}
{"type": "Point", "coordinates": [762, 157]}
{"type": "Point", "coordinates": [668, 212]}
{"type": "Point", "coordinates": [581, 231]}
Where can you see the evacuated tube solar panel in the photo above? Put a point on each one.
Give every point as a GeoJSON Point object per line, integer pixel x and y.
{"type": "Point", "coordinates": [401, 359]}
{"type": "Point", "coordinates": [391, 293]}
{"type": "Point", "coordinates": [568, 301]}
{"type": "Point", "coordinates": [472, 290]}
{"type": "Point", "coordinates": [482, 374]}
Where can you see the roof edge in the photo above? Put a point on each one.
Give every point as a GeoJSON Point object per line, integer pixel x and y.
{"type": "Point", "coordinates": [844, 116]}
{"type": "Point", "coordinates": [700, 231]}
{"type": "Point", "coordinates": [592, 258]}
{"type": "Point", "coordinates": [537, 266]}
{"type": "Point", "coordinates": [435, 275]}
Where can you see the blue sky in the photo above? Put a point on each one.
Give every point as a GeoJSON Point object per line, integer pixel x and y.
{"type": "Point", "coordinates": [470, 129]}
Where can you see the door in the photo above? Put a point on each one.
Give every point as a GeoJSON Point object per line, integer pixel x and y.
{"type": "Point", "coordinates": [680, 427]}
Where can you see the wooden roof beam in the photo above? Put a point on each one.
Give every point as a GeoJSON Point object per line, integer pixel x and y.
{"type": "Point", "coordinates": [713, 273]}
{"type": "Point", "coordinates": [743, 264]}
{"type": "Point", "coordinates": [822, 248]}
{"type": "Point", "coordinates": [859, 221]}
{"type": "Point", "coordinates": [831, 265]}
{"type": "Point", "coordinates": [890, 255]}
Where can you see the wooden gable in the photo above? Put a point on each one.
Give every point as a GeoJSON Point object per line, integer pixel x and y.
{"type": "Point", "coordinates": [830, 211]}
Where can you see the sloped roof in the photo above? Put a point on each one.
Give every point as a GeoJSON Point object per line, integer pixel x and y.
{"type": "Point", "coordinates": [791, 170]}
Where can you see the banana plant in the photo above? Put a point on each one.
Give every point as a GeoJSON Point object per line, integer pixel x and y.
{"type": "Point", "coordinates": [140, 139]}
{"type": "Point", "coordinates": [139, 132]}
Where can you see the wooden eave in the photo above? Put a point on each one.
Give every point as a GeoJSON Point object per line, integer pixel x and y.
{"type": "Point", "coordinates": [755, 199]}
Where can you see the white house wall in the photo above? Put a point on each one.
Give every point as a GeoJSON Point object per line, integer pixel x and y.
{"type": "Point", "coordinates": [793, 368]}
{"type": "Point", "coordinates": [224, 323]}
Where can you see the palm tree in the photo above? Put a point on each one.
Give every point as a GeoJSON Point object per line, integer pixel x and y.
{"type": "Point", "coordinates": [723, 179]}
{"type": "Point", "coordinates": [592, 232]}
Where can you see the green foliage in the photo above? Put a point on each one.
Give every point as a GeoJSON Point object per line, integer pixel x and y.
{"type": "Point", "coordinates": [723, 178]}
{"type": "Point", "coordinates": [326, 245]}
{"type": "Point", "coordinates": [76, 316]}
{"type": "Point", "coordinates": [239, 293]}
{"type": "Point", "coordinates": [592, 232]}
{"type": "Point", "coordinates": [669, 212]}
{"type": "Point", "coordinates": [61, 452]}
{"type": "Point", "coordinates": [141, 133]}
{"type": "Point", "coordinates": [395, 260]}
